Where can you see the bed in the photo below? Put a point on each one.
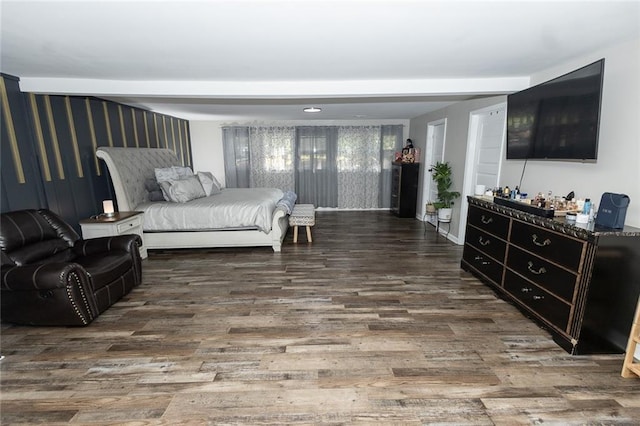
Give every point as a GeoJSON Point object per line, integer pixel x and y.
{"type": "Point", "coordinates": [262, 220]}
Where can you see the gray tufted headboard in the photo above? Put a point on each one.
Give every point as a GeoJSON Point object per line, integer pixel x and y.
{"type": "Point", "coordinates": [130, 168]}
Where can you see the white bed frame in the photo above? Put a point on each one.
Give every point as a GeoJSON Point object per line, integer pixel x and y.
{"type": "Point", "coordinates": [130, 167]}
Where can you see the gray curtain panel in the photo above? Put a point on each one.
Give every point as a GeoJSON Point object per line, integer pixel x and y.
{"type": "Point", "coordinates": [237, 159]}
{"type": "Point", "coordinates": [346, 167]}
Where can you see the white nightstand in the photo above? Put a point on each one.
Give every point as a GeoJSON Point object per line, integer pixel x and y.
{"type": "Point", "coordinates": [118, 224]}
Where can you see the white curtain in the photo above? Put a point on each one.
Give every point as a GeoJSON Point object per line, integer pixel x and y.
{"type": "Point", "coordinates": [272, 157]}
{"type": "Point", "coordinates": [358, 166]}
{"type": "Point", "coordinates": [346, 167]}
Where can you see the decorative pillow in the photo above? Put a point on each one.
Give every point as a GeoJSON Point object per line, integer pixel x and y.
{"type": "Point", "coordinates": [209, 183]}
{"type": "Point", "coordinates": [183, 190]}
{"type": "Point", "coordinates": [151, 185]}
{"type": "Point", "coordinates": [182, 172]}
{"type": "Point", "coordinates": [172, 173]}
{"type": "Point", "coordinates": [165, 173]}
{"type": "Point", "coordinates": [156, 195]}
{"type": "Point", "coordinates": [218, 184]}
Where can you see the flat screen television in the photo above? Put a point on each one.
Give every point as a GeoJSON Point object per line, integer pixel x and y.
{"type": "Point", "coordinates": [558, 119]}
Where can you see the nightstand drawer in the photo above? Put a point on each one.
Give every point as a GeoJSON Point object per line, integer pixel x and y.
{"type": "Point", "coordinates": [554, 247]}
{"type": "Point", "coordinates": [493, 223]}
{"type": "Point", "coordinates": [486, 243]}
{"type": "Point", "coordinates": [483, 264]}
{"type": "Point", "coordinates": [543, 304]}
{"type": "Point", "coordinates": [129, 226]}
{"type": "Point", "coordinates": [553, 278]}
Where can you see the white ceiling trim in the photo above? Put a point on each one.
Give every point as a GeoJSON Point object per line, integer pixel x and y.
{"type": "Point", "coordinates": [274, 89]}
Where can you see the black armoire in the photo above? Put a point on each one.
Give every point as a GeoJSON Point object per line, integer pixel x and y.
{"type": "Point", "coordinates": [404, 189]}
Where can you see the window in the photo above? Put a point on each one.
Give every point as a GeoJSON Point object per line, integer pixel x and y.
{"type": "Point", "coordinates": [328, 166]}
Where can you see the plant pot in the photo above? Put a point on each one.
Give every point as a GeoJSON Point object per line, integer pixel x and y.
{"type": "Point", "coordinates": [444, 215]}
{"type": "Point", "coordinates": [431, 209]}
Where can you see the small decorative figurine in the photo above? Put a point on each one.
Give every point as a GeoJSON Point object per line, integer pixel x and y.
{"type": "Point", "coordinates": [408, 152]}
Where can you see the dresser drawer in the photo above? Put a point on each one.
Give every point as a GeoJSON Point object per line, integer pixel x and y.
{"type": "Point", "coordinates": [486, 243]}
{"type": "Point", "coordinates": [556, 280]}
{"type": "Point", "coordinates": [550, 245]}
{"type": "Point", "coordinates": [493, 223]}
{"type": "Point", "coordinates": [483, 264]}
{"type": "Point", "coordinates": [540, 302]}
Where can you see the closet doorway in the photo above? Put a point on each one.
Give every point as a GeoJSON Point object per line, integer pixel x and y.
{"type": "Point", "coordinates": [436, 133]}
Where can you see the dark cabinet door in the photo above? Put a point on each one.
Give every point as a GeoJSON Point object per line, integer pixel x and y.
{"type": "Point", "coordinates": [404, 189]}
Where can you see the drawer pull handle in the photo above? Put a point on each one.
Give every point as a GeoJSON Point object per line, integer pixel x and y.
{"type": "Point", "coordinates": [483, 242]}
{"type": "Point", "coordinates": [533, 271]}
{"type": "Point", "coordinates": [486, 220]}
{"type": "Point", "coordinates": [526, 289]}
{"type": "Point", "coordinates": [542, 244]}
{"type": "Point", "coordinates": [535, 297]}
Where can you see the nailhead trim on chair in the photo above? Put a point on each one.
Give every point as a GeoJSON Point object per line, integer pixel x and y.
{"type": "Point", "coordinates": [73, 302]}
{"type": "Point", "coordinates": [84, 297]}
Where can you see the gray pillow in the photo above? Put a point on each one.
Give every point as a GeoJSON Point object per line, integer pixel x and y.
{"type": "Point", "coordinates": [182, 171]}
{"type": "Point", "coordinates": [151, 185]}
{"type": "Point", "coordinates": [209, 183]}
{"type": "Point", "coordinates": [172, 173]}
{"type": "Point", "coordinates": [156, 195]}
{"type": "Point", "coordinates": [183, 190]}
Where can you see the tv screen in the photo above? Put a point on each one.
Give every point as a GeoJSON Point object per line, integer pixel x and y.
{"type": "Point", "coordinates": [557, 119]}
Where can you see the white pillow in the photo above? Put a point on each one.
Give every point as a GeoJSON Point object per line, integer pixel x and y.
{"type": "Point", "coordinates": [182, 172]}
{"type": "Point", "coordinates": [172, 173]}
{"type": "Point", "coordinates": [209, 183]}
{"type": "Point", "coordinates": [182, 190]}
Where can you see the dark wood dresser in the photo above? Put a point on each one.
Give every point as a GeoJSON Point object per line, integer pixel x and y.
{"type": "Point", "coordinates": [404, 189]}
{"type": "Point", "coordinates": [580, 283]}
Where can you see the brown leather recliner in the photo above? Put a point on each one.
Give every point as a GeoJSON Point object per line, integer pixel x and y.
{"type": "Point", "coordinates": [50, 276]}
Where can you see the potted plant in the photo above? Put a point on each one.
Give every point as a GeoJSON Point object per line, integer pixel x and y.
{"type": "Point", "coordinates": [441, 174]}
{"type": "Point", "coordinates": [430, 208]}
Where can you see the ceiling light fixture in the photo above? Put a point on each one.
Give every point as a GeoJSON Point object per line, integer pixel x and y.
{"type": "Point", "coordinates": [312, 109]}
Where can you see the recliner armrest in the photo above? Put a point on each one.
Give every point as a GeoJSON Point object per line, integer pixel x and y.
{"type": "Point", "coordinates": [47, 294]}
{"type": "Point", "coordinates": [128, 243]}
{"type": "Point", "coordinates": [45, 276]}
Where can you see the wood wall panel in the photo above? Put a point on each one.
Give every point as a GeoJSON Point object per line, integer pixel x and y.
{"type": "Point", "coordinates": [21, 175]}
{"type": "Point", "coordinates": [54, 165]}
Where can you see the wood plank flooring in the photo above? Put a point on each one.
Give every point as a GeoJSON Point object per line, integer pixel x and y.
{"type": "Point", "coordinates": [372, 323]}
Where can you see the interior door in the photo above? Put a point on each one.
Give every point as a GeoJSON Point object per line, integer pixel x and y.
{"type": "Point", "coordinates": [436, 131]}
{"type": "Point", "coordinates": [487, 132]}
{"type": "Point", "coordinates": [489, 148]}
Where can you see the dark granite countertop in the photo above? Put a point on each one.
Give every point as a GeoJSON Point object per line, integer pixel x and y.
{"type": "Point", "coordinates": [587, 231]}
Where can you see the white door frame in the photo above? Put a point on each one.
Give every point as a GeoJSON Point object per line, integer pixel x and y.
{"type": "Point", "coordinates": [468, 185]}
{"type": "Point", "coordinates": [428, 161]}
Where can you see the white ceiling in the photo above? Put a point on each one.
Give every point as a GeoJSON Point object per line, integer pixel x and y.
{"type": "Point", "coordinates": [265, 60]}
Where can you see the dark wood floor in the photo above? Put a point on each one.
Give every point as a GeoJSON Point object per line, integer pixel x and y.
{"type": "Point", "coordinates": [373, 323]}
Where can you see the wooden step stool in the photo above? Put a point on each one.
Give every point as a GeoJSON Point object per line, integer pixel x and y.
{"type": "Point", "coordinates": [630, 367]}
{"type": "Point", "coordinates": [302, 215]}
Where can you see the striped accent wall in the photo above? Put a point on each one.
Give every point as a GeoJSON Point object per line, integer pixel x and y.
{"type": "Point", "coordinates": [49, 143]}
